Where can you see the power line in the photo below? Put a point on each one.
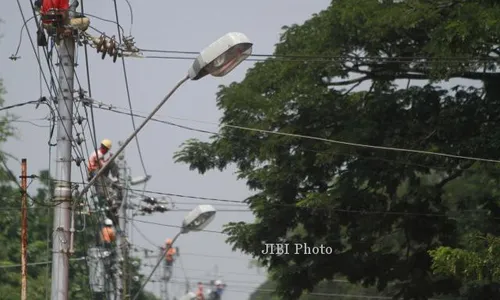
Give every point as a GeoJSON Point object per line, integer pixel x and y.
{"type": "Point", "coordinates": [252, 290]}
{"type": "Point", "coordinates": [128, 90]}
{"type": "Point", "coordinates": [87, 69]}
{"type": "Point", "coordinates": [324, 59]}
{"type": "Point", "coordinates": [114, 109]}
{"type": "Point", "coordinates": [173, 226]}
{"type": "Point", "coordinates": [154, 119]}
{"type": "Point", "coordinates": [189, 254]}
{"type": "Point", "coordinates": [329, 57]}
{"type": "Point", "coordinates": [359, 145]}
{"type": "Point", "coordinates": [330, 208]}
{"type": "Point", "coordinates": [37, 263]}
{"type": "Point", "coordinates": [38, 102]}
{"type": "Point", "coordinates": [106, 20]}
{"type": "Point", "coordinates": [15, 55]}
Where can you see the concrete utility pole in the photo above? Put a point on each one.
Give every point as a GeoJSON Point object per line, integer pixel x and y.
{"type": "Point", "coordinates": [24, 230]}
{"type": "Point", "coordinates": [62, 192]}
{"type": "Point", "coordinates": [164, 281]}
{"type": "Point", "coordinates": [121, 237]}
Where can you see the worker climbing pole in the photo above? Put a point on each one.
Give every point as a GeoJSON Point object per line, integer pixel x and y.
{"type": "Point", "coordinates": [102, 262]}
{"type": "Point", "coordinates": [108, 189]}
{"type": "Point", "coordinates": [170, 254]}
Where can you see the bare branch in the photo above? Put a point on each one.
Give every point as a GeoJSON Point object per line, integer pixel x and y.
{"type": "Point", "coordinates": [416, 73]}
{"type": "Point", "coordinates": [352, 88]}
{"type": "Point", "coordinates": [350, 81]}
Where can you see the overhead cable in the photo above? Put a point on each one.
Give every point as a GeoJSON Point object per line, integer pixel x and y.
{"type": "Point", "coordinates": [332, 141]}
{"type": "Point", "coordinates": [323, 58]}
{"type": "Point", "coordinates": [128, 90]}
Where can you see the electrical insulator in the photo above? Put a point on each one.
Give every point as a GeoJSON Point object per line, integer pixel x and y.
{"type": "Point", "coordinates": [78, 161]}
{"type": "Point", "coordinates": [108, 46]}
{"type": "Point", "coordinates": [150, 200]}
{"type": "Point", "coordinates": [81, 93]}
{"type": "Point", "coordinates": [160, 208]}
{"type": "Point", "coordinates": [146, 209]}
{"type": "Point", "coordinates": [80, 120]}
{"type": "Point", "coordinates": [79, 139]}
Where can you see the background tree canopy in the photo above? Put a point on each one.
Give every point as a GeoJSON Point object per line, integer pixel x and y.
{"type": "Point", "coordinates": [382, 211]}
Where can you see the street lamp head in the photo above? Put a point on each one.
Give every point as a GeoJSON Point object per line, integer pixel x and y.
{"type": "Point", "coordinates": [140, 179]}
{"type": "Point", "coordinates": [222, 56]}
{"type": "Point", "coordinates": [198, 218]}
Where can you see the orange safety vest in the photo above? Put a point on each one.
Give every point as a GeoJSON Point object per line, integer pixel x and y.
{"type": "Point", "coordinates": [96, 160]}
{"type": "Point", "coordinates": [107, 235]}
{"type": "Point", "coordinates": [170, 254]}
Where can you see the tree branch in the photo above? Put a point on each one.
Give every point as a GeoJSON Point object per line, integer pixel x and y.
{"type": "Point", "coordinates": [454, 175]}
{"type": "Point", "coordinates": [419, 74]}
{"type": "Point", "coordinates": [350, 81]}
{"type": "Point", "coordinates": [352, 88]}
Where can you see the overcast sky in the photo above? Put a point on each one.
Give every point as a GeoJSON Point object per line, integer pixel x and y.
{"type": "Point", "coordinates": [168, 25]}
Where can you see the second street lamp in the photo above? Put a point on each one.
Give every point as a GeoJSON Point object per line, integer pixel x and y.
{"type": "Point", "coordinates": [195, 220]}
{"type": "Point", "coordinates": [218, 59]}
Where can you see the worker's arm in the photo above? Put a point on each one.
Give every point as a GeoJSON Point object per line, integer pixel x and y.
{"type": "Point", "coordinates": [105, 159]}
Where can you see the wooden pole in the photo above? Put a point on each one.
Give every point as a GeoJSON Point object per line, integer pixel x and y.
{"type": "Point", "coordinates": [24, 230]}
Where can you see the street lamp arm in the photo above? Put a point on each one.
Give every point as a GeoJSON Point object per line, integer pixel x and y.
{"type": "Point", "coordinates": [132, 136]}
{"type": "Point", "coordinates": [157, 265]}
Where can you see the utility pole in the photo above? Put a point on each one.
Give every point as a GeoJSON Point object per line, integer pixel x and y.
{"type": "Point", "coordinates": [24, 230]}
{"type": "Point", "coordinates": [62, 192]}
{"type": "Point", "coordinates": [122, 249]}
{"type": "Point", "coordinates": [164, 281]}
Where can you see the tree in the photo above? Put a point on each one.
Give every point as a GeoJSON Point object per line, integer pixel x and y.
{"type": "Point", "coordinates": [475, 261]}
{"type": "Point", "coordinates": [380, 210]}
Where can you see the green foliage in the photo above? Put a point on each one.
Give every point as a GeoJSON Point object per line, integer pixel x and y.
{"type": "Point", "coordinates": [468, 265]}
{"type": "Point", "coordinates": [382, 211]}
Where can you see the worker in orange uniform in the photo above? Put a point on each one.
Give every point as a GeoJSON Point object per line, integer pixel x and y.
{"type": "Point", "coordinates": [169, 257]}
{"type": "Point", "coordinates": [108, 237]}
{"type": "Point", "coordinates": [108, 234]}
{"type": "Point", "coordinates": [199, 294]}
{"type": "Point", "coordinates": [97, 159]}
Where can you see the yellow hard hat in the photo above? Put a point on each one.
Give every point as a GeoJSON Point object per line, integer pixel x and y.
{"type": "Point", "coordinates": [169, 241]}
{"type": "Point", "coordinates": [106, 143]}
